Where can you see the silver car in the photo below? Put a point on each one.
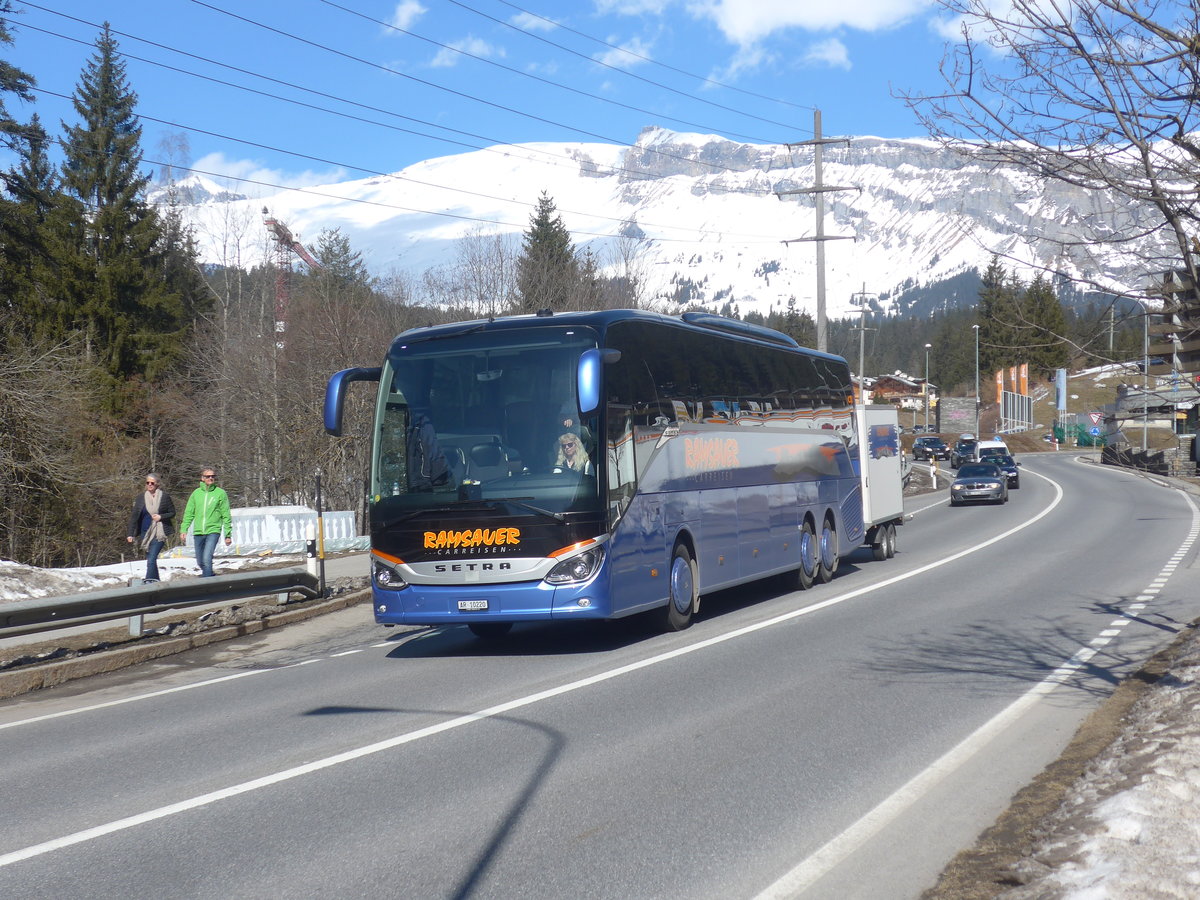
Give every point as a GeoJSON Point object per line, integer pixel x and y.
{"type": "Point", "coordinates": [979, 482]}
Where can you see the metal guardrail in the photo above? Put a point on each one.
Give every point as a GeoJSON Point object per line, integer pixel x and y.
{"type": "Point", "coordinates": [46, 614]}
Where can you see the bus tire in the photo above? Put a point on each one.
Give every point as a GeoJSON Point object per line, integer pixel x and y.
{"type": "Point", "coordinates": [879, 547]}
{"type": "Point", "coordinates": [682, 590]}
{"type": "Point", "coordinates": [490, 631]}
{"type": "Point", "coordinates": [827, 549]}
{"type": "Point", "coordinates": [806, 572]}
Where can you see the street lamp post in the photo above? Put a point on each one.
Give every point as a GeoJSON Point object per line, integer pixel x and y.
{"type": "Point", "coordinates": [1145, 375]}
{"type": "Point", "coordinates": [976, 327]}
{"type": "Point", "coordinates": [927, 346]}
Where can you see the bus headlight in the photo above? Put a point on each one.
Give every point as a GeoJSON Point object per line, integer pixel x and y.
{"type": "Point", "coordinates": [386, 576]}
{"type": "Point", "coordinates": [577, 568]}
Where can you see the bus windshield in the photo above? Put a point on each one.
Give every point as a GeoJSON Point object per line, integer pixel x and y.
{"type": "Point", "coordinates": [485, 416]}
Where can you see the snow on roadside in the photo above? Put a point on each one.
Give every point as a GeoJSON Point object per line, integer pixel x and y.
{"type": "Point", "coordinates": [21, 582]}
{"type": "Point", "coordinates": [1128, 828]}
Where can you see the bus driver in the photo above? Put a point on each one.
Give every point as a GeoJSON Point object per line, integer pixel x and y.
{"type": "Point", "coordinates": [572, 457]}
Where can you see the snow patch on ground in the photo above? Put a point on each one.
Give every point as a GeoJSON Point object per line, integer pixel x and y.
{"type": "Point", "coordinates": [21, 582]}
{"type": "Point", "coordinates": [1129, 829]}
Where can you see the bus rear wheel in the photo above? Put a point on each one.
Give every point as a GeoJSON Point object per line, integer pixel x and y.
{"type": "Point", "coordinates": [806, 573]}
{"type": "Point", "coordinates": [682, 588]}
{"type": "Point", "coordinates": [828, 551]}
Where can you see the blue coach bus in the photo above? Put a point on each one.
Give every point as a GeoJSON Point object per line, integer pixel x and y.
{"type": "Point", "coordinates": [599, 464]}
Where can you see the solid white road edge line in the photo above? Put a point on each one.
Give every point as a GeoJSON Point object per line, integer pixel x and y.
{"type": "Point", "coordinates": [804, 875]}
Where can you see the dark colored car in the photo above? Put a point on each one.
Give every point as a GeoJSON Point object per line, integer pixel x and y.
{"type": "Point", "coordinates": [1007, 465]}
{"type": "Point", "coordinates": [930, 448]}
{"type": "Point", "coordinates": [963, 452]}
{"type": "Point", "coordinates": [982, 482]}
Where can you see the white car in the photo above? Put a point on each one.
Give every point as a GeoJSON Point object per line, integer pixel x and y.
{"type": "Point", "coordinates": [987, 448]}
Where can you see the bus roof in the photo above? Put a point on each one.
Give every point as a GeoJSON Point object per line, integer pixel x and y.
{"type": "Point", "coordinates": [600, 320]}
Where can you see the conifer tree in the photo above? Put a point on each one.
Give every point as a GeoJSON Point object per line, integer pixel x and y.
{"type": "Point", "coordinates": [14, 237]}
{"type": "Point", "coordinates": [1046, 343]}
{"type": "Point", "coordinates": [121, 300]}
{"type": "Point", "coordinates": [996, 318]}
{"type": "Point", "coordinates": [33, 224]}
{"type": "Point", "coordinates": [796, 324]}
{"type": "Point", "coordinates": [548, 270]}
{"type": "Point", "coordinates": [12, 81]}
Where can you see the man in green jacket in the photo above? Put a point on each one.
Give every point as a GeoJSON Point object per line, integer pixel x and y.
{"type": "Point", "coordinates": [208, 508]}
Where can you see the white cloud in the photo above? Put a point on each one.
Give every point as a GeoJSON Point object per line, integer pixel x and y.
{"type": "Point", "coordinates": [746, 59]}
{"type": "Point", "coordinates": [623, 57]}
{"type": "Point", "coordinates": [633, 7]}
{"type": "Point", "coordinates": [831, 53]}
{"type": "Point", "coordinates": [407, 12]}
{"type": "Point", "coordinates": [251, 177]}
{"type": "Point", "coordinates": [949, 28]}
{"type": "Point", "coordinates": [447, 58]}
{"type": "Point", "coordinates": [746, 21]}
{"type": "Point", "coordinates": [530, 22]}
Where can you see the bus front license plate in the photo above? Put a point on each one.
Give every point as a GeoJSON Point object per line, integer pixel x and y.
{"type": "Point", "coordinates": [472, 605]}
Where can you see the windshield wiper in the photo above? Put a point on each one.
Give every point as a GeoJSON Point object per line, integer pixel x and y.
{"type": "Point", "coordinates": [556, 516]}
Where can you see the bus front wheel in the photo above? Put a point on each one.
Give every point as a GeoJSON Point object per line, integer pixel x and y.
{"type": "Point", "coordinates": [681, 602]}
{"type": "Point", "coordinates": [828, 552]}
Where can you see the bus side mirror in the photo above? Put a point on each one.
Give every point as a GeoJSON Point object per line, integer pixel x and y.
{"type": "Point", "coordinates": [588, 380]}
{"type": "Point", "coordinates": [335, 394]}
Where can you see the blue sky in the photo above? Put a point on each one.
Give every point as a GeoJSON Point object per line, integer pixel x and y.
{"type": "Point", "coordinates": [342, 89]}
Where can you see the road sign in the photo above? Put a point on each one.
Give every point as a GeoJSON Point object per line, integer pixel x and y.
{"type": "Point", "coordinates": [1094, 432]}
{"type": "Point", "coordinates": [1096, 417]}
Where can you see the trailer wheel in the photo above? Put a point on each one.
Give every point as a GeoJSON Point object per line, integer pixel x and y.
{"type": "Point", "coordinates": [806, 572]}
{"type": "Point", "coordinates": [828, 552]}
{"type": "Point", "coordinates": [879, 547]}
{"type": "Point", "coordinates": [682, 590]}
{"type": "Point", "coordinates": [891, 539]}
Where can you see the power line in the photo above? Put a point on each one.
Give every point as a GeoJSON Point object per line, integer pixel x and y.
{"type": "Point", "coordinates": [538, 78]}
{"type": "Point", "coordinates": [425, 212]}
{"type": "Point", "coordinates": [654, 62]}
{"type": "Point", "coordinates": [435, 86]}
{"type": "Point", "coordinates": [392, 176]}
{"type": "Point", "coordinates": [618, 68]}
{"type": "Point", "coordinates": [554, 158]}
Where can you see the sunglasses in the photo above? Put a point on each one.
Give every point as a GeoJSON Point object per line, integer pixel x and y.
{"type": "Point", "coordinates": [151, 483]}
{"type": "Point", "coordinates": [207, 477]}
{"type": "Point", "coordinates": [567, 446]}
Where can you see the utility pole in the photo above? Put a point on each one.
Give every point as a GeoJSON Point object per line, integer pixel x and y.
{"type": "Point", "coordinates": [861, 299]}
{"type": "Point", "coordinates": [819, 189]}
{"type": "Point", "coordinates": [976, 328]}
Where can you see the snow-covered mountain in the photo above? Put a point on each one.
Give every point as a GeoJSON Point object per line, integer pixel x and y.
{"type": "Point", "coordinates": [704, 215]}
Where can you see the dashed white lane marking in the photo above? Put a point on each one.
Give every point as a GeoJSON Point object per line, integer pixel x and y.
{"type": "Point", "coordinates": [824, 860]}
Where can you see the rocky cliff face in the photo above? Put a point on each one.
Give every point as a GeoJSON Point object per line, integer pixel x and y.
{"type": "Point", "coordinates": [710, 227]}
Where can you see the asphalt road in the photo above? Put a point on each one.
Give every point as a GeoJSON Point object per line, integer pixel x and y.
{"type": "Point", "coordinates": [836, 743]}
